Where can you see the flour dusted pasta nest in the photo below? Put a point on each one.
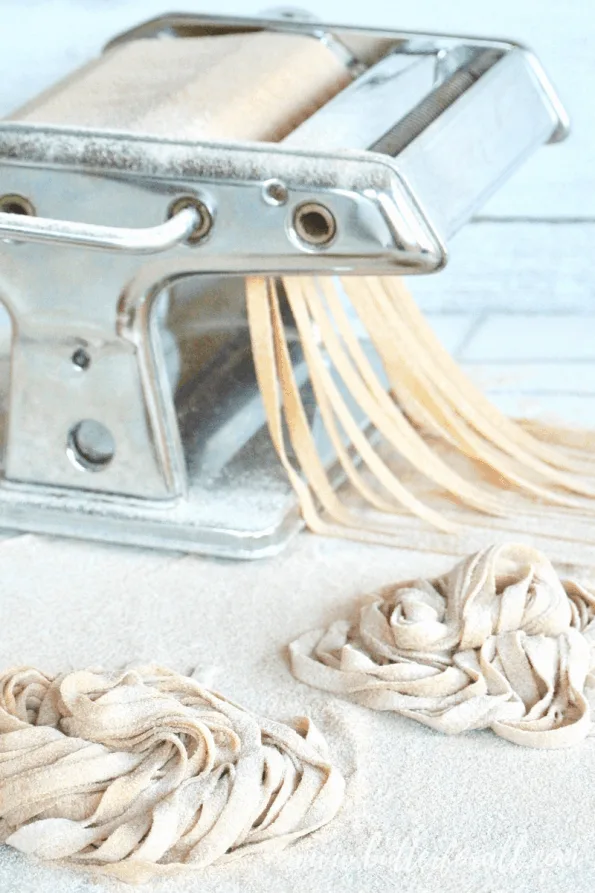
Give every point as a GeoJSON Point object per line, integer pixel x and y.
{"type": "Point", "coordinates": [147, 772]}
{"type": "Point", "coordinates": [499, 642]}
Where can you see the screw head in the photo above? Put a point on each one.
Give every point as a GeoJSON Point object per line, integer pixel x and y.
{"type": "Point", "coordinates": [274, 192]}
{"type": "Point", "coordinates": [81, 359]}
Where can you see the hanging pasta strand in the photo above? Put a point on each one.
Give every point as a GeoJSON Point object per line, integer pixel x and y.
{"type": "Point", "coordinates": [468, 400]}
{"type": "Point", "coordinates": [452, 407]}
{"type": "Point", "coordinates": [282, 397]}
{"type": "Point", "coordinates": [428, 415]}
{"type": "Point", "coordinates": [386, 418]}
{"type": "Point", "coordinates": [414, 385]}
{"type": "Point", "coordinates": [324, 385]}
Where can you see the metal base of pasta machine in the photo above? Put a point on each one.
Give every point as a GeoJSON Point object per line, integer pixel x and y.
{"type": "Point", "coordinates": [104, 235]}
{"type": "Point", "coordinates": [239, 503]}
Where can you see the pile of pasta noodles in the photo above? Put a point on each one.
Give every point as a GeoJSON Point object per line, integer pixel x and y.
{"type": "Point", "coordinates": [437, 457]}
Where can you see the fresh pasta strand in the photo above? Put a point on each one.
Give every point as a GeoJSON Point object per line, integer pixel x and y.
{"type": "Point", "coordinates": [428, 408]}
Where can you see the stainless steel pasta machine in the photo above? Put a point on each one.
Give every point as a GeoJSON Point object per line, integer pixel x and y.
{"type": "Point", "coordinates": [136, 195]}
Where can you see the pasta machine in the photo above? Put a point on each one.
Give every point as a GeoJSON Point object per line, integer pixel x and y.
{"type": "Point", "coordinates": [137, 194]}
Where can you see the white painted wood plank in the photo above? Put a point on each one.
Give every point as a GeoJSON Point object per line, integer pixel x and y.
{"type": "Point", "coordinates": [453, 330]}
{"type": "Point", "coordinates": [43, 41]}
{"type": "Point", "coordinates": [555, 391]}
{"type": "Point", "coordinates": [573, 379]}
{"type": "Point", "coordinates": [519, 338]}
{"type": "Point", "coordinates": [539, 268]}
{"type": "Point", "coordinates": [561, 409]}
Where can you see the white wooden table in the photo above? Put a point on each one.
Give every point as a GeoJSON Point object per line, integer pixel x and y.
{"type": "Point", "coordinates": [515, 304]}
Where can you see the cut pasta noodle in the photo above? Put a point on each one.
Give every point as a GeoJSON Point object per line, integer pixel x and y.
{"type": "Point", "coordinates": [435, 447]}
{"type": "Point", "coordinates": [500, 642]}
{"type": "Point", "coordinates": [147, 773]}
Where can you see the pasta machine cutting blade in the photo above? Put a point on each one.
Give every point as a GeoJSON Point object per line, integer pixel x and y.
{"type": "Point", "coordinates": [137, 194]}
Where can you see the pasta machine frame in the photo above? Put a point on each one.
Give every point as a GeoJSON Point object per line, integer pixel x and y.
{"type": "Point", "coordinates": [94, 225]}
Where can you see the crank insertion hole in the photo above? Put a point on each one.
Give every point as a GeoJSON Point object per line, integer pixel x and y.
{"type": "Point", "coordinates": [16, 204]}
{"type": "Point", "coordinates": [314, 224]}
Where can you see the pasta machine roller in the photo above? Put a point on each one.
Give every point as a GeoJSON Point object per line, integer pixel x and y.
{"type": "Point", "coordinates": [137, 194]}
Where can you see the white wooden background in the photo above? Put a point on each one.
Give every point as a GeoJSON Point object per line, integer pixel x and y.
{"type": "Point", "coordinates": [516, 301]}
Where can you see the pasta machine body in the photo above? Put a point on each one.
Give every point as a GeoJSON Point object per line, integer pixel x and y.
{"type": "Point", "coordinates": [137, 194]}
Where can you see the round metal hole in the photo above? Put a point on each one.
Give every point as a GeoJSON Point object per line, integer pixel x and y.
{"type": "Point", "coordinates": [205, 218]}
{"type": "Point", "coordinates": [274, 192]}
{"type": "Point", "coordinates": [81, 359]}
{"type": "Point", "coordinates": [90, 445]}
{"type": "Point", "coordinates": [314, 224]}
{"type": "Point", "coordinates": [16, 204]}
